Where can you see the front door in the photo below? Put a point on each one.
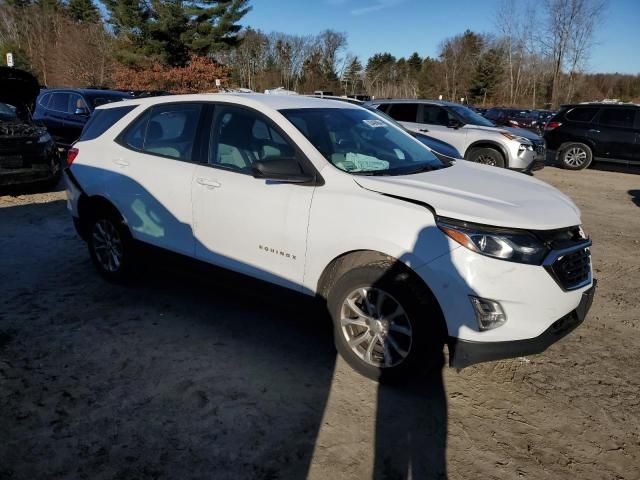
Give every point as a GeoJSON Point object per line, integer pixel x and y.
{"type": "Point", "coordinates": [614, 133]}
{"type": "Point", "coordinates": [436, 119]}
{"type": "Point", "coordinates": [253, 226]}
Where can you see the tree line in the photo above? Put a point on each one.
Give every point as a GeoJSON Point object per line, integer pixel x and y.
{"type": "Point", "coordinates": [535, 56]}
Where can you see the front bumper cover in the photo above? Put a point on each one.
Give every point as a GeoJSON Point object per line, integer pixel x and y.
{"type": "Point", "coordinates": [463, 353]}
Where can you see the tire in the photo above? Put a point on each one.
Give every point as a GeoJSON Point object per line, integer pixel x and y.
{"type": "Point", "coordinates": [486, 156]}
{"type": "Point", "coordinates": [110, 246]}
{"type": "Point", "coordinates": [575, 156]}
{"type": "Point", "coordinates": [395, 340]}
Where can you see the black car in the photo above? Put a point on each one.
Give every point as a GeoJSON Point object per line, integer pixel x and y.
{"type": "Point", "coordinates": [27, 152]}
{"type": "Point", "coordinates": [582, 133]}
{"type": "Point", "coordinates": [66, 111]}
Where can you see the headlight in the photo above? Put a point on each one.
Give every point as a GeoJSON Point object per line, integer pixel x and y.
{"type": "Point", "coordinates": [44, 138]}
{"type": "Point", "coordinates": [525, 146]}
{"type": "Point", "coordinates": [511, 245]}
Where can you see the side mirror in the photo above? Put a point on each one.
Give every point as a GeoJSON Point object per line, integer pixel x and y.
{"type": "Point", "coordinates": [81, 111]}
{"type": "Point", "coordinates": [280, 169]}
{"type": "Point", "coordinates": [454, 123]}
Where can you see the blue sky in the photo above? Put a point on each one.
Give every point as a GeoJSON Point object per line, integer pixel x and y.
{"type": "Point", "coordinates": [404, 26]}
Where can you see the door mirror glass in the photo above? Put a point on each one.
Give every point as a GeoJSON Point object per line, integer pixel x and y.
{"type": "Point", "coordinates": [454, 123]}
{"type": "Point", "coordinates": [81, 111]}
{"type": "Point", "coordinates": [281, 169]}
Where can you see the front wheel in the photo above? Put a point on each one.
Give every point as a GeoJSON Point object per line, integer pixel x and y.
{"type": "Point", "coordinates": [575, 156]}
{"type": "Point", "coordinates": [110, 247]}
{"type": "Point", "coordinates": [386, 325]}
{"type": "Point", "coordinates": [486, 156]}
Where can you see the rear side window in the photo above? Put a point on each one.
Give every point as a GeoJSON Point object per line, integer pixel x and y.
{"type": "Point", "coordinates": [166, 130]}
{"type": "Point", "coordinates": [404, 112]}
{"type": "Point", "coordinates": [582, 114]}
{"type": "Point", "coordinates": [102, 120]}
{"type": "Point", "coordinates": [618, 117]}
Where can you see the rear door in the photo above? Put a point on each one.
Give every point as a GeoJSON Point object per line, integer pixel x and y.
{"type": "Point", "coordinates": [616, 133]}
{"type": "Point", "coordinates": [152, 172]}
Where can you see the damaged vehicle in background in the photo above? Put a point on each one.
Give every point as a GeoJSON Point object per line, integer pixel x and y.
{"type": "Point", "coordinates": [27, 151]}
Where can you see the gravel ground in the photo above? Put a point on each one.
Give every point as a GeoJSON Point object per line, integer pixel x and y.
{"type": "Point", "coordinates": [179, 376]}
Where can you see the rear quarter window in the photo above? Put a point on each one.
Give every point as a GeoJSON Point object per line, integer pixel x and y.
{"type": "Point", "coordinates": [581, 114]}
{"type": "Point", "coordinates": [102, 120]}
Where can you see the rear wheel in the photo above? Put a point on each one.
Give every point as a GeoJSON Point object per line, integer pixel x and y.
{"type": "Point", "coordinates": [486, 156]}
{"type": "Point", "coordinates": [575, 156]}
{"type": "Point", "coordinates": [386, 325]}
{"type": "Point", "coordinates": [110, 246]}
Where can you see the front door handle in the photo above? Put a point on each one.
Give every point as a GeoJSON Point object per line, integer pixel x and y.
{"type": "Point", "coordinates": [120, 162]}
{"type": "Point", "coordinates": [593, 130]}
{"type": "Point", "coordinates": [423, 130]}
{"type": "Point", "coordinates": [208, 182]}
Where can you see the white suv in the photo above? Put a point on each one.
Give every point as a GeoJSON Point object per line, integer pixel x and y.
{"type": "Point", "coordinates": [478, 139]}
{"type": "Point", "coordinates": [330, 199]}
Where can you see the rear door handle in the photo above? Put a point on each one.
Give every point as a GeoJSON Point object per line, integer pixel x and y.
{"type": "Point", "coordinates": [208, 182]}
{"type": "Point", "coordinates": [120, 162]}
{"type": "Point", "coordinates": [593, 130]}
{"type": "Point", "coordinates": [423, 130]}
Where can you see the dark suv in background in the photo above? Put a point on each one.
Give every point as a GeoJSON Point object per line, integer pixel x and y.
{"type": "Point", "coordinates": [66, 111]}
{"type": "Point", "coordinates": [606, 132]}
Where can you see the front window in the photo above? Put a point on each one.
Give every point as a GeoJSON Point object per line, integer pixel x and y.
{"type": "Point", "coordinates": [7, 112]}
{"type": "Point", "coordinates": [470, 117]}
{"type": "Point", "coordinates": [361, 142]}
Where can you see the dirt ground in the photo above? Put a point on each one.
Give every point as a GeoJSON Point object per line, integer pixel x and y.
{"type": "Point", "coordinates": [178, 376]}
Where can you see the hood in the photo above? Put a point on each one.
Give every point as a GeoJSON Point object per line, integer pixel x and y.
{"type": "Point", "coordinates": [18, 88]}
{"type": "Point", "coordinates": [482, 194]}
{"type": "Point", "coordinates": [523, 132]}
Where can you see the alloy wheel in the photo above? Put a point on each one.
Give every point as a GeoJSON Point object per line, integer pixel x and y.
{"type": "Point", "coordinates": [486, 159]}
{"type": "Point", "coordinates": [107, 245]}
{"type": "Point", "coordinates": [376, 327]}
{"type": "Point", "coordinates": [575, 157]}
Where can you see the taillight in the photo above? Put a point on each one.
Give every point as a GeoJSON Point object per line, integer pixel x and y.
{"type": "Point", "coordinates": [552, 125]}
{"type": "Point", "coordinates": [72, 153]}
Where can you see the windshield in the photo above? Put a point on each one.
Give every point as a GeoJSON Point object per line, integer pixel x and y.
{"type": "Point", "coordinates": [7, 112]}
{"type": "Point", "coordinates": [470, 117]}
{"type": "Point", "coordinates": [360, 142]}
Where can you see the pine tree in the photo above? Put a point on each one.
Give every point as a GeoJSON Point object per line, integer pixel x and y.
{"type": "Point", "coordinates": [487, 75]}
{"type": "Point", "coordinates": [214, 24]}
{"type": "Point", "coordinates": [83, 11]}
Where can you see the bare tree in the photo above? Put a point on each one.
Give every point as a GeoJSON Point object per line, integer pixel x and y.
{"type": "Point", "coordinates": [568, 36]}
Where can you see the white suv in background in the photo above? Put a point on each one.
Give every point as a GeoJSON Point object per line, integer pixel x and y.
{"type": "Point", "coordinates": [478, 139]}
{"type": "Point", "coordinates": [329, 199]}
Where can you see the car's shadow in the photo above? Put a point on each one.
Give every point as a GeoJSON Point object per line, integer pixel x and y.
{"type": "Point", "coordinates": [635, 196]}
{"type": "Point", "coordinates": [187, 372]}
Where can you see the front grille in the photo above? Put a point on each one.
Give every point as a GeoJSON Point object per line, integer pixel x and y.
{"type": "Point", "coordinates": [573, 270]}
